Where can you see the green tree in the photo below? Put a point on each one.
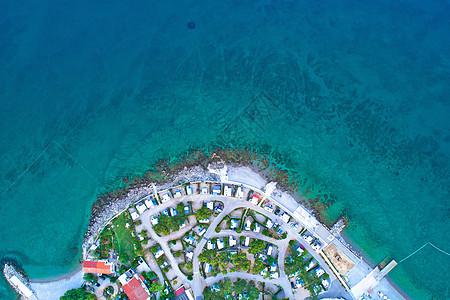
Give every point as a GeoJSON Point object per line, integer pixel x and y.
{"type": "Point", "coordinates": [78, 294]}
{"type": "Point", "coordinates": [245, 265]}
{"type": "Point", "coordinates": [223, 256]}
{"type": "Point", "coordinates": [258, 267]}
{"type": "Point", "coordinates": [151, 275]}
{"type": "Point", "coordinates": [189, 266]}
{"type": "Point", "coordinates": [203, 213]}
{"type": "Point", "coordinates": [161, 229]}
{"type": "Point", "coordinates": [144, 233]}
{"type": "Point", "coordinates": [266, 232]}
{"type": "Point", "coordinates": [208, 255]}
{"type": "Point", "coordinates": [210, 295]}
{"type": "Point", "coordinates": [256, 246]}
{"type": "Point", "coordinates": [252, 291]}
{"type": "Point", "coordinates": [155, 286]}
{"type": "Point", "coordinates": [239, 286]}
{"type": "Point", "coordinates": [225, 287]}
{"type": "Point", "coordinates": [89, 277]}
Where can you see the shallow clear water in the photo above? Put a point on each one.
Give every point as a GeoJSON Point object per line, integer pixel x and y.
{"type": "Point", "coordinates": [354, 96]}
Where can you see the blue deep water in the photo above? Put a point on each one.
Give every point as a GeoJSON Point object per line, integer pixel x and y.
{"type": "Point", "coordinates": [353, 95]}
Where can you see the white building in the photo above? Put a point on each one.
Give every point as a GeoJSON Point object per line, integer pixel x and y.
{"type": "Point", "coordinates": [201, 231]}
{"type": "Point", "coordinates": [166, 197]}
{"type": "Point", "coordinates": [247, 241]}
{"type": "Point", "coordinates": [159, 253]}
{"type": "Point", "coordinates": [141, 207]}
{"type": "Point", "coordinates": [257, 228]}
{"type": "Point", "coordinates": [148, 202]}
{"type": "Point", "coordinates": [308, 237]}
{"type": "Point", "coordinates": [285, 217]}
{"type": "Point", "coordinates": [210, 205]}
{"type": "Point", "coordinates": [255, 199]}
{"type": "Point", "coordinates": [319, 272]}
{"type": "Point", "coordinates": [204, 221]}
{"type": "Point", "coordinates": [325, 283]}
{"type": "Point", "coordinates": [133, 213]}
{"type": "Point", "coordinates": [269, 224]}
{"type": "Point", "coordinates": [239, 193]}
{"type": "Point", "coordinates": [227, 191]}
{"type": "Point", "coordinates": [208, 268]}
{"type": "Point", "coordinates": [189, 190]}
{"type": "Point", "coordinates": [220, 244]}
{"type": "Point", "coordinates": [154, 220]}
{"type": "Point", "coordinates": [216, 190]}
{"type": "Point", "coordinates": [173, 211]}
{"type": "Point", "coordinates": [232, 241]}
{"type": "Point", "coordinates": [178, 194]}
{"type": "Point", "coordinates": [269, 250]}
{"type": "Point", "coordinates": [247, 225]}
{"type": "Point", "coordinates": [189, 255]}
{"type": "Point", "coordinates": [204, 190]}
{"type": "Point", "coordinates": [234, 224]}
{"type": "Point", "coordinates": [189, 240]}
{"type": "Point", "coordinates": [210, 245]}
{"type": "Point", "coordinates": [269, 207]}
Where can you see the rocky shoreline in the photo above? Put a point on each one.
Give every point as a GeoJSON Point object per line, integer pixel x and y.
{"type": "Point", "coordinates": [111, 207]}
{"type": "Point", "coordinates": [191, 167]}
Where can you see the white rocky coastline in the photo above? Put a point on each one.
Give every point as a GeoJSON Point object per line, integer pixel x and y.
{"type": "Point", "coordinates": [116, 206]}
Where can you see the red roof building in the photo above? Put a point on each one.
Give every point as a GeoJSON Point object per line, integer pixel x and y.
{"type": "Point", "coordinates": [101, 267]}
{"type": "Point", "coordinates": [179, 291]}
{"type": "Point", "coordinates": [135, 289]}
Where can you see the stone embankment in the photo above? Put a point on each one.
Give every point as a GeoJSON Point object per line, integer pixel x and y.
{"type": "Point", "coordinates": [10, 271]}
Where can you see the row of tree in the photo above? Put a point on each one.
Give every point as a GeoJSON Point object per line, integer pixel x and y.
{"type": "Point", "coordinates": [297, 264]}
{"type": "Point", "coordinates": [167, 224]}
{"type": "Point", "coordinates": [225, 261]}
{"type": "Point", "coordinates": [226, 287]}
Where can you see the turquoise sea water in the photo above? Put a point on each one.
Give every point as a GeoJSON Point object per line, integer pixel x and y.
{"type": "Point", "coordinates": [353, 95]}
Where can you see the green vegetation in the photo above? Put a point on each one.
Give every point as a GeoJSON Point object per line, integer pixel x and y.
{"type": "Point", "coordinates": [106, 243]}
{"type": "Point", "coordinates": [203, 213]}
{"type": "Point", "coordinates": [89, 277]}
{"type": "Point", "coordinates": [78, 294]}
{"type": "Point", "coordinates": [167, 224]}
{"type": "Point", "coordinates": [166, 294]}
{"type": "Point", "coordinates": [227, 262]}
{"type": "Point", "coordinates": [296, 264]}
{"type": "Point", "coordinates": [225, 287]}
{"type": "Point", "coordinates": [127, 245]}
{"type": "Point", "coordinates": [258, 266]}
{"type": "Point", "coordinates": [180, 208]}
{"type": "Point", "coordinates": [108, 291]}
{"type": "Point", "coordinates": [155, 287]}
{"type": "Point", "coordinates": [256, 246]}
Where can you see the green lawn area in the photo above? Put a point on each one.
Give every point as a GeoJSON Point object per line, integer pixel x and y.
{"type": "Point", "coordinates": [124, 240]}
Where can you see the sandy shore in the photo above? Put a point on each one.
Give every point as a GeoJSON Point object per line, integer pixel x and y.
{"type": "Point", "coordinates": [54, 289]}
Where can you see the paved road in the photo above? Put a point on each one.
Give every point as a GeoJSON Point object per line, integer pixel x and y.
{"type": "Point", "coordinates": [198, 283]}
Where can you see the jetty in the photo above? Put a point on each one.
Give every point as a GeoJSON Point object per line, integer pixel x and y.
{"type": "Point", "coordinates": [18, 281]}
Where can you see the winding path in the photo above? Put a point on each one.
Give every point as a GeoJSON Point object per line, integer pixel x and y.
{"type": "Point", "coordinates": [230, 203]}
